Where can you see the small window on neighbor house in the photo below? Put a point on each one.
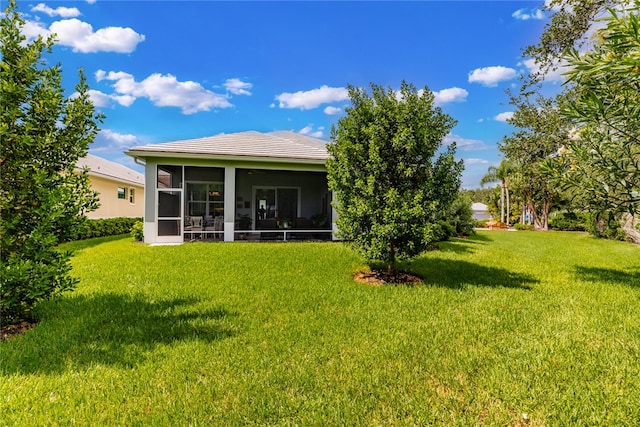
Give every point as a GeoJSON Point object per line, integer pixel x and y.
{"type": "Point", "coordinates": [122, 193]}
{"type": "Point", "coordinates": [132, 196]}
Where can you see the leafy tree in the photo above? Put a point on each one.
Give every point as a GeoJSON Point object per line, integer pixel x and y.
{"type": "Point", "coordinates": [390, 181]}
{"type": "Point", "coordinates": [600, 164]}
{"type": "Point", "coordinates": [567, 30]}
{"type": "Point", "coordinates": [42, 135]}
{"type": "Point", "coordinates": [541, 131]}
{"type": "Point", "coordinates": [500, 174]}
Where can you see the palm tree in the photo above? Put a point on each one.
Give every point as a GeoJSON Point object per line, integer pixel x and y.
{"type": "Point", "coordinates": [500, 173]}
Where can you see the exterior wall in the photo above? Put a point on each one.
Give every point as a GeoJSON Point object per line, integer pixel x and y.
{"type": "Point", "coordinates": [110, 205]}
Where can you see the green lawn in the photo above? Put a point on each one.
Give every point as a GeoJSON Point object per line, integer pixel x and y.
{"type": "Point", "coordinates": [506, 324]}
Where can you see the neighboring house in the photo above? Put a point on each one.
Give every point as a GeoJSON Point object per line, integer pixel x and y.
{"type": "Point", "coordinates": [480, 211]}
{"type": "Point", "coordinates": [247, 185]}
{"type": "Point", "coordinates": [120, 189]}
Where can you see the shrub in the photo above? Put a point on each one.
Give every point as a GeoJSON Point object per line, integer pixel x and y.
{"type": "Point", "coordinates": [568, 221]}
{"type": "Point", "coordinates": [137, 231]}
{"type": "Point", "coordinates": [103, 227]}
{"type": "Point", "coordinates": [524, 227]}
{"type": "Point", "coordinates": [605, 228]}
{"type": "Point", "coordinates": [443, 231]}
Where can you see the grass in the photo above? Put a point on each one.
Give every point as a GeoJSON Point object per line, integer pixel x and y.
{"type": "Point", "coordinates": [506, 324]}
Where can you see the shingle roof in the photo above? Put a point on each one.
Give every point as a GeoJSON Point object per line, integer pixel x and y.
{"type": "Point", "coordinates": [282, 145]}
{"type": "Point", "coordinates": [108, 169]}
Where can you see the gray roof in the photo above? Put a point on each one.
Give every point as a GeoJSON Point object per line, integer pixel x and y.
{"type": "Point", "coordinates": [110, 170]}
{"type": "Point", "coordinates": [274, 146]}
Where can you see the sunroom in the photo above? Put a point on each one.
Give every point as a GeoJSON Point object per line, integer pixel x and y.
{"type": "Point", "coordinates": [246, 186]}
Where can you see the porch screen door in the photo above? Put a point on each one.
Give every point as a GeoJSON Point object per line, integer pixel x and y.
{"type": "Point", "coordinates": [169, 207]}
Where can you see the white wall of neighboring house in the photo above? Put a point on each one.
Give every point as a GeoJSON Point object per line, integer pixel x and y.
{"type": "Point", "coordinates": [480, 211]}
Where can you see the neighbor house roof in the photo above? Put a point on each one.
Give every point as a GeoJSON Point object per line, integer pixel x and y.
{"type": "Point", "coordinates": [110, 170]}
{"type": "Point", "coordinates": [274, 146]}
{"type": "Point", "coordinates": [479, 207]}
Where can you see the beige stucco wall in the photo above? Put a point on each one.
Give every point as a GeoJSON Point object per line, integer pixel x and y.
{"type": "Point", "coordinates": [110, 205]}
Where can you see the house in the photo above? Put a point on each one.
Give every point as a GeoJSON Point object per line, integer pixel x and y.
{"type": "Point", "coordinates": [120, 189]}
{"type": "Point", "coordinates": [247, 185]}
{"type": "Point", "coordinates": [480, 211]}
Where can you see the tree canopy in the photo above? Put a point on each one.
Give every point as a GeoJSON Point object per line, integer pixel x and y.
{"type": "Point", "coordinates": [42, 197]}
{"type": "Point", "coordinates": [390, 175]}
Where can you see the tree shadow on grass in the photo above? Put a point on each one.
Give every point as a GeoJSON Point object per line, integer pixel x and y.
{"type": "Point", "coordinates": [595, 274]}
{"type": "Point", "coordinates": [464, 245]}
{"type": "Point", "coordinates": [76, 332]}
{"type": "Point", "coordinates": [456, 274]}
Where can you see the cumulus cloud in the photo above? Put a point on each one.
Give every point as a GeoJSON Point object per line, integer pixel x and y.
{"type": "Point", "coordinates": [307, 100]}
{"type": "Point", "coordinates": [108, 141]}
{"type": "Point", "coordinates": [524, 14]}
{"type": "Point", "coordinates": [475, 161]}
{"type": "Point", "coordinates": [80, 37]}
{"type": "Point", "coordinates": [464, 144]}
{"type": "Point", "coordinates": [555, 76]}
{"type": "Point", "coordinates": [452, 94]}
{"type": "Point", "coordinates": [308, 130]}
{"type": "Point", "coordinates": [99, 99]}
{"type": "Point", "coordinates": [491, 76]}
{"type": "Point", "coordinates": [238, 87]}
{"type": "Point", "coordinates": [163, 91]}
{"type": "Point", "coordinates": [64, 12]}
{"type": "Point", "coordinates": [503, 117]}
{"type": "Point", "coordinates": [332, 110]}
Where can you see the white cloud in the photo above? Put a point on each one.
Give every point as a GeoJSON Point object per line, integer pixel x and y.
{"type": "Point", "coordinates": [525, 15]}
{"type": "Point", "coordinates": [475, 161]}
{"type": "Point", "coordinates": [64, 12]}
{"type": "Point", "coordinates": [308, 130]}
{"type": "Point", "coordinates": [491, 76]}
{"type": "Point", "coordinates": [81, 37]}
{"type": "Point", "coordinates": [119, 139]}
{"type": "Point", "coordinates": [108, 141]}
{"type": "Point", "coordinates": [332, 110]}
{"type": "Point", "coordinates": [503, 117]}
{"type": "Point", "coordinates": [464, 144]}
{"type": "Point", "coordinates": [307, 100]}
{"type": "Point", "coordinates": [555, 76]}
{"type": "Point", "coordinates": [33, 29]}
{"type": "Point", "coordinates": [452, 94]}
{"type": "Point", "coordinates": [163, 91]}
{"type": "Point", "coordinates": [238, 87]}
{"type": "Point", "coordinates": [99, 99]}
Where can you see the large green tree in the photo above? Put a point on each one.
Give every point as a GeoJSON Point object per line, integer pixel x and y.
{"type": "Point", "coordinates": [599, 166]}
{"type": "Point", "coordinates": [540, 132]}
{"type": "Point", "coordinates": [569, 27]}
{"type": "Point", "coordinates": [43, 133]}
{"type": "Point", "coordinates": [392, 179]}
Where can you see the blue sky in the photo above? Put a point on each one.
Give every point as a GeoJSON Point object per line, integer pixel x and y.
{"type": "Point", "coordinates": [166, 70]}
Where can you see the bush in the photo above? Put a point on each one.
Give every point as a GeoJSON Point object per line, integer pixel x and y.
{"type": "Point", "coordinates": [460, 216]}
{"type": "Point", "coordinates": [443, 231]}
{"type": "Point", "coordinates": [137, 231]}
{"type": "Point", "coordinates": [568, 221]}
{"type": "Point", "coordinates": [480, 223]}
{"type": "Point", "coordinates": [605, 228]}
{"type": "Point", "coordinates": [524, 227]}
{"type": "Point", "coordinates": [103, 227]}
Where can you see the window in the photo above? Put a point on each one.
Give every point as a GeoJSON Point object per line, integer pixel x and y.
{"type": "Point", "coordinates": [122, 193]}
{"type": "Point", "coordinates": [132, 196]}
{"type": "Point", "coordinates": [205, 199]}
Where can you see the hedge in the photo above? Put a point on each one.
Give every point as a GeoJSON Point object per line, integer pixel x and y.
{"type": "Point", "coordinates": [104, 227]}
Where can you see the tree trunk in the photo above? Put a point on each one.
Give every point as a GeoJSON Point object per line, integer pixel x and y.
{"type": "Point", "coordinates": [502, 202]}
{"type": "Point", "coordinates": [508, 206]}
